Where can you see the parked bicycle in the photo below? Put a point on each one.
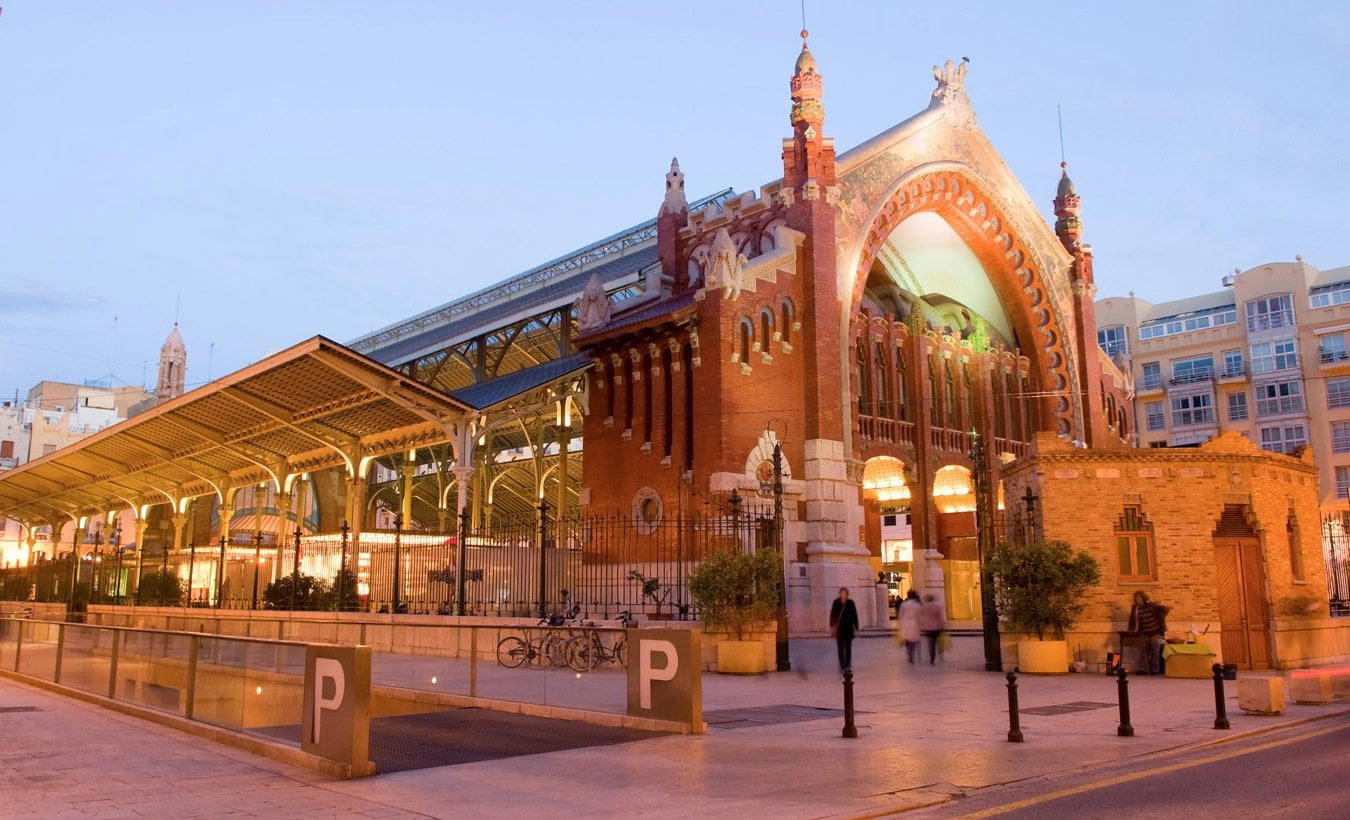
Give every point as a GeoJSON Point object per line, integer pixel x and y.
{"type": "Point", "coordinates": [588, 651]}
{"type": "Point", "coordinates": [539, 651]}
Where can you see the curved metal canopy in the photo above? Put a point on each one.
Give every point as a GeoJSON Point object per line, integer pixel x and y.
{"type": "Point", "coordinates": [315, 405]}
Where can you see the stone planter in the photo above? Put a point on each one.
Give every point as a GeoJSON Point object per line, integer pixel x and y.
{"type": "Point", "coordinates": [1043, 657]}
{"type": "Point", "coordinates": [740, 658]}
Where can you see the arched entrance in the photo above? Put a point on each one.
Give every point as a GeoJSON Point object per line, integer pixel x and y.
{"type": "Point", "coordinates": [956, 541]}
{"type": "Point", "coordinates": [888, 525]}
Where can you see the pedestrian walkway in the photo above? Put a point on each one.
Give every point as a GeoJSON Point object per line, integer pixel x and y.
{"type": "Point", "coordinates": [925, 732]}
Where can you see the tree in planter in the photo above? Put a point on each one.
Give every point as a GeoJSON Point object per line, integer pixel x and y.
{"type": "Point", "coordinates": [153, 582]}
{"type": "Point", "coordinates": [651, 589]}
{"type": "Point", "coordinates": [1040, 585]}
{"type": "Point", "coordinates": [310, 593]}
{"type": "Point", "coordinates": [737, 590]}
{"type": "Point", "coordinates": [345, 583]}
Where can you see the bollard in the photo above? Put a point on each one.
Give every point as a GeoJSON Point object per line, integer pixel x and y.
{"type": "Point", "coordinates": [1014, 724]}
{"type": "Point", "coordinates": [849, 729]}
{"type": "Point", "coordinates": [1220, 708]}
{"type": "Point", "coordinates": [1123, 689]}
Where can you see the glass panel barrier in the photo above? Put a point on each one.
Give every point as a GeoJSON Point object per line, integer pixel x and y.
{"type": "Point", "coordinates": [152, 669]}
{"type": "Point", "coordinates": [86, 657]}
{"type": "Point", "coordinates": [37, 654]}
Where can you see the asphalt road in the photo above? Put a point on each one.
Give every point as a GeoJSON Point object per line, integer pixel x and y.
{"type": "Point", "coordinates": [1304, 772]}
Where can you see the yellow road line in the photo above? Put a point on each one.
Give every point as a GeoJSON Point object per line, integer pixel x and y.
{"type": "Point", "coordinates": [1126, 778]}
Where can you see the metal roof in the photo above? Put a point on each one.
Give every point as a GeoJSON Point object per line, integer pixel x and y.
{"type": "Point", "coordinates": [315, 405]}
{"type": "Point", "coordinates": [502, 296]}
{"type": "Point", "coordinates": [490, 317]}
{"type": "Point", "coordinates": [503, 388]}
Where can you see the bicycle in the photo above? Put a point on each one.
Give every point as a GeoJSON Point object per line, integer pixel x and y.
{"type": "Point", "coordinates": [540, 651]}
{"type": "Point", "coordinates": [588, 651]}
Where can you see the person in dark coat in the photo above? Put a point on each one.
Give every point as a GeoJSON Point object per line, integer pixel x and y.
{"type": "Point", "coordinates": [843, 624]}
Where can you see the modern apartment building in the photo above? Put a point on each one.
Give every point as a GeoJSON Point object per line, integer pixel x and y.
{"type": "Point", "coordinates": [1266, 356]}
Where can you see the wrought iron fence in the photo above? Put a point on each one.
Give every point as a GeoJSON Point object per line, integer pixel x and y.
{"type": "Point", "coordinates": [599, 566]}
{"type": "Point", "coordinates": [1336, 551]}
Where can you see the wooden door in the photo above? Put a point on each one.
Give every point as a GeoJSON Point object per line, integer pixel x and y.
{"type": "Point", "coordinates": [1242, 610]}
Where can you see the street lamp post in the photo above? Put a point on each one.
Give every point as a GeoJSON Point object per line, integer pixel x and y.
{"type": "Point", "coordinates": [220, 574]}
{"type": "Point", "coordinates": [257, 564]}
{"type": "Point", "coordinates": [342, 569]}
{"type": "Point", "coordinates": [984, 531]}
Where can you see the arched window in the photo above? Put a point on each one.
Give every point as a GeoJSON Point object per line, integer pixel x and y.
{"type": "Point", "coordinates": [667, 404]}
{"type": "Point", "coordinates": [627, 391]}
{"type": "Point", "coordinates": [864, 379]}
{"type": "Point", "coordinates": [967, 398]}
{"type": "Point", "coordinates": [953, 410]}
{"type": "Point", "coordinates": [765, 330]}
{"type": "Point", "coordinates": [786, 314]}
{"type": "Point", "coordinates": [609, 394]}
{"type": "Point", "coordinates": [881, 367]}
{"type": "Point", "coordinates": [687, 367]}
{"type": "Point", "coordinates": [1134, 546]}
{"type": "Point", "coordinates": [647, 398]}
{"type": "Point", "coordinates": [934, 397]}
{"type": "Point", "coordinates": [1000, 416]}
{"type": "Point", "coordinates": [1014, 408]}
{"type": "Point", "coordinates": [1029, 410]}
{"type": "Point", "coordinates": [1295, 547]}
{"type": "Point", "coordinates": [747, 333]}
{"type": "Point", "coordinates": [901, 396]}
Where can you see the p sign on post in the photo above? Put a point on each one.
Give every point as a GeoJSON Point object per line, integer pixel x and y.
{"type": "Point", "coordinates": [665, 675]}
{"type": "Point", "coordinates": [336, 720]}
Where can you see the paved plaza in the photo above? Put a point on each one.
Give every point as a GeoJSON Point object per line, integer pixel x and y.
{"type": "Point", "coordinates": [926, 733]}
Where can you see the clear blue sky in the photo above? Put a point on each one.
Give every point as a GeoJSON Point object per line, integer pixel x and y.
{"type": "Point", "coordinates": [297, 168]}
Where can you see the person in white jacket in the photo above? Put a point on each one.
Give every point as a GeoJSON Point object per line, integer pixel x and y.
{"type": "Point", "coordinates": [908, 619]}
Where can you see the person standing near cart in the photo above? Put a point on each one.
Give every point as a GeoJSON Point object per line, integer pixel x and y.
{"type": "Point", "coordinates": [843, 624]}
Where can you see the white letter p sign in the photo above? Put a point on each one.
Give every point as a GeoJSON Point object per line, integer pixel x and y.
{"type": "Point", "coordinates": [647, 674]}
{"type": "Point", "coordinates": [327, 669]}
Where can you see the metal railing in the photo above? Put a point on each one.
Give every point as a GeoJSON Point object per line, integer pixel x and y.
{"type": "Point", "coordinates": [513, 567]}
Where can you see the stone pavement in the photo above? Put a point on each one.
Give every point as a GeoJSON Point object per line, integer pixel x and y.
{"type": "Point", "coordinates": [925, 733]}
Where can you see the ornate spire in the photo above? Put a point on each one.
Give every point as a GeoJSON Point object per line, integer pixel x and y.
{"type": "Point", "coordinates": [807, 88]}
{"type": "Point", "coordinates": [674, 201]}
{"type": "Point", "coordinates": [1068, 227]}
{"type": "Point", "coordinates": [593, 306]}
{"type": "Point", "coordinates": [172, 367]}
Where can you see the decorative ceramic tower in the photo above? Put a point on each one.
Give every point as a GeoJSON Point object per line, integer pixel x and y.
{"type": "Point", "coordinates": [172, 367]}
{"type": "Point", "coordinates": [672, 216]}
{"type": "Point", "coordinates": [1069, 228]}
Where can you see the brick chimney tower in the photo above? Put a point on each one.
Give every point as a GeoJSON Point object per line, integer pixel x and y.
{"type": "Point", "coordinates": [673, 216]}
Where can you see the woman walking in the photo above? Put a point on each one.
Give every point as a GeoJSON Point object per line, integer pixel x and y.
{"type": "Point", "coordinates": [908, 628]}
{"type": "Point", "coordinates": [932, 621]}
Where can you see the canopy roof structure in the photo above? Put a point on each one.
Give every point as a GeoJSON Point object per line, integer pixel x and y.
{"type": "Point", "coordinates": [315, 405]}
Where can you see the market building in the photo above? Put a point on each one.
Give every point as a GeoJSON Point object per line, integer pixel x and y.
{"type": "Point", "coordinates": [843, 363]}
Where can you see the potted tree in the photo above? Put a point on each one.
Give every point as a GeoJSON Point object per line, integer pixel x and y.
{"type": "Point", "coordinates": [1039, 587]}
{"type": "Point", "coordinates": [654, 592]}
{"type": "Point", "coordinates": [737, 591]}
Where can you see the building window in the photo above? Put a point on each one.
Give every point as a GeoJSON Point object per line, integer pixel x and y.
{"type": "Point", "coordinates": [1331, 348]}
{"type": "Point", "coordinates": [901, 410]}
{"type": "Point", "coordinates": [1342, 482]}
{"type": "Point", "coordinates": [1337, 294]}
{"type": "Point", "coordinates": [1134, 546]}
{"type": "Point", "coordinates": [1194, 369]}
{"type": "Point", "coordinates": [1232, 363]}
{"type": "Point", "coordinates": [864, 382]}
{"type": "Point", "coordinates": [1152, 376]}
{"type": "Point", "coordinates": [1279, 354]}
{"type": "Point", "coordinates": [1270, 312]}
{"type": "Point", "coordinates": [1340, 437]}
{"type": "Point", "coordinates": [1277, 398]}
{"type": "Point", "coordinates": [747, 333]}
{"type": "Point", "coordinates": [1154, 414]}
{"type": "Point", "coordinates": [765, 330]}
{"type": "Point", "coordinates": [953, 410]}
{"type": "Point", "coordinates": [1338, 393]}
{"type": "Point", "coordinates": [687, 366]}
{"type": "Point", "coordinates": [1170, 325]}
{"type": "Point", "coordinates": [627, 392]}
{"type": "Point", "coordinates": [881, 367]}
{"type": "Point", "coordinates": [1295, 548]}
{"type": "Point", "coordinates": [1191, 410]}
{"type": "Point", "coordinates": [785, 313]}
{"type": "Point", "coordinates": [1283, 438]}
{"type": "Point", "coordinates": [6, 449]}
{"type": "Point", "coordinates": [1237, 406]}
{"type": "Point", "coordinates": [1113, 340]}
{"type": "Point", "coordinates": [668, 404]}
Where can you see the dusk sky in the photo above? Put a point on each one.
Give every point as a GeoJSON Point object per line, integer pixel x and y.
{"type": "Point", "coordinates": [298, 168]}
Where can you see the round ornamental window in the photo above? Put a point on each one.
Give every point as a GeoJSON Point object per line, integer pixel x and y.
{"type": "Point", "coordinates": [647, 510]}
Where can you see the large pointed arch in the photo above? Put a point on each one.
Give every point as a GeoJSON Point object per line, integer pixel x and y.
{"type": "Point", "coordinates": [952, 193]}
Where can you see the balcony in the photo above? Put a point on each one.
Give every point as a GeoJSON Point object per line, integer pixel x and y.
{"type": "Point", "coordinates": [1191, 377]}
{"type": "Point", "coordinates": [1332, 356]}
{"type": "Point", "coordinates": [1234, 371]}
{"type": "Point", "coordinates": [1270, 321]}
{"type": "Point", "coordinates": [1151, 382]}
{"type": "Point", "coordinates": [1285, 405]}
